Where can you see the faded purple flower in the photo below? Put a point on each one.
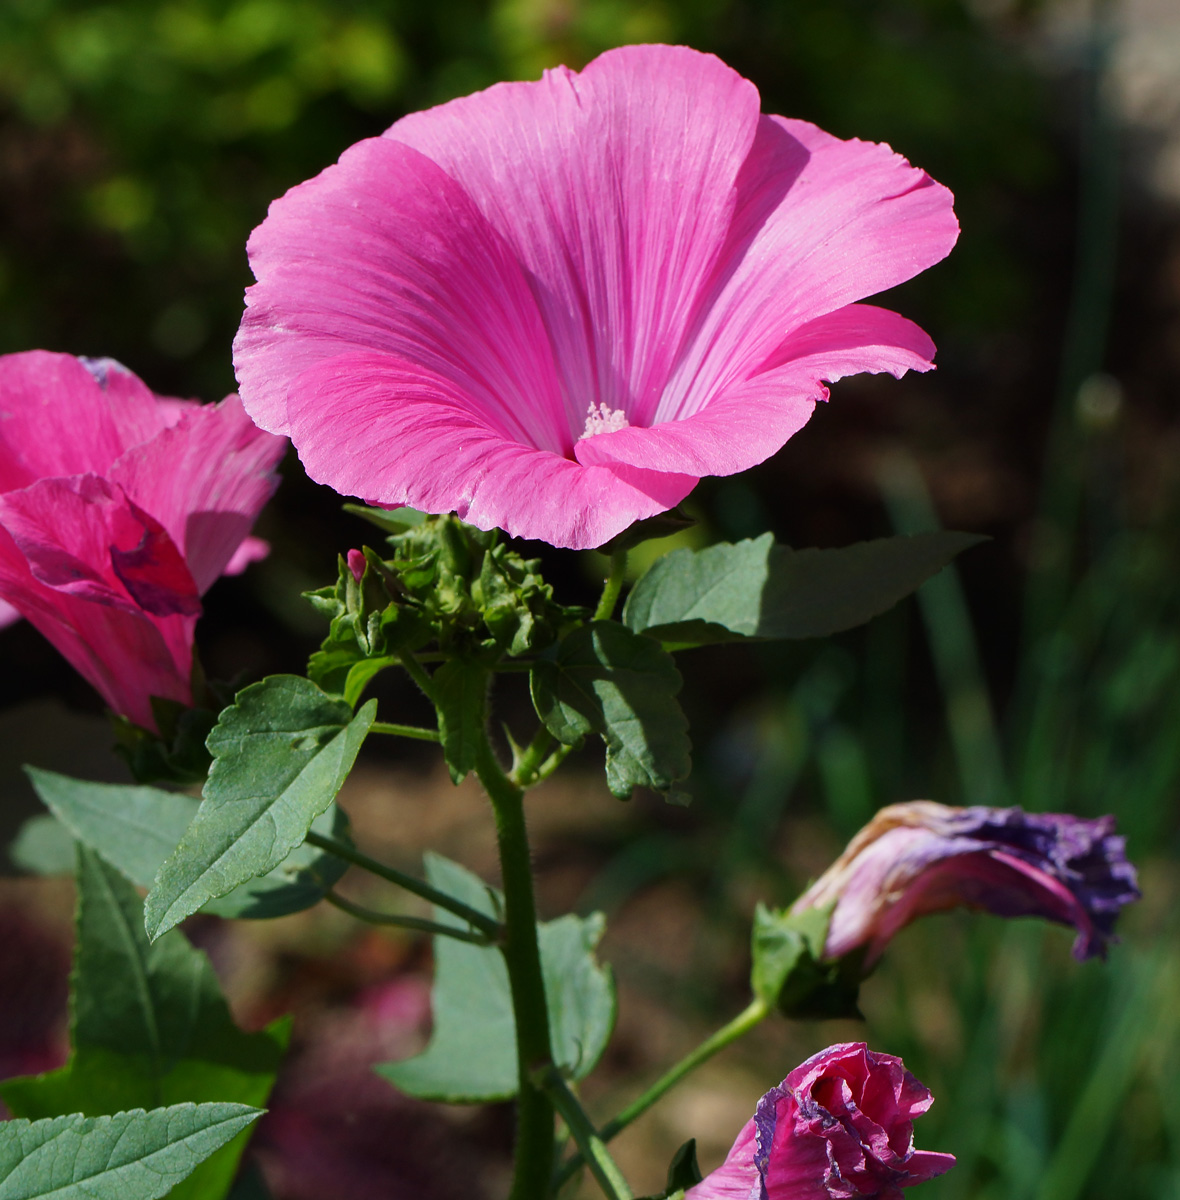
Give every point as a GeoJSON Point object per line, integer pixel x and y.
{"type": "Point", "coordinates": [839, 1127]}
{"type": "Point", "coordinates": [922, 857]}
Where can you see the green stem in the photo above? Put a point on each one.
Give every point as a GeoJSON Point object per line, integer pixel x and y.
{"type": "Point", "coordinates": [416, 672]}
{"type": "Point", "coordinates": [522, 956]}
{"type": "Point", "coordinates": [481, 921]}
{"type": "Point", "coordinates": [531, 757]}
{"type": "Point", "coordinates": [613, 586]}
{"type": "Point", "coordinates": [406, 731]}
{"type": "Point", "coordinates": [590, 1144]}
{"type": "Point", "coordinates": [757, 1012]}
{"type": "Point", "coordinates": [372, 917]}
{"type": "Point", "coordinates": [551, 764]}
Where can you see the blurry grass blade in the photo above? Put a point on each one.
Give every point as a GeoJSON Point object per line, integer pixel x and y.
{"type": "Point", "coordinates": [952, 644]}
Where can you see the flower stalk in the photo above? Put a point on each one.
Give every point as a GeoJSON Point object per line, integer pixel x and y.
{"type": "Point", "coordinates": [522, 956]}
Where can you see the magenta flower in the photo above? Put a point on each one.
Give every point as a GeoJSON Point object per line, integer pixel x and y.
{"type": "Point", "coordinates": [551, 307]}
{"type": "Point", "coordinates": [923, 857]}
{"type": "Point", "coordinates": [118, 510]}
{"type": "Point", "coordinates": [839, 1127]}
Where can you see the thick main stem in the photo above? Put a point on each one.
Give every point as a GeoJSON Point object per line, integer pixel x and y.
{"type": "Point", "coordinates": [522, 956]}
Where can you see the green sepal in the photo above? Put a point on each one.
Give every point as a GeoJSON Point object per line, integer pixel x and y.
{"type": "Point", "coordinates": [133, 1155]}
{"type": "Point", "coordinates": [603, 678]}
{"type": "Point", "coordinates": [460, 695]}
{"type": "Point", "coordinates": [756, 589]}
{"type": "Point", "coordinates": [177, 754]}
{"type": "Point", "coordinates": [790, 972]}
{"type": "Point", "coordinates": [149, 1027]}
{"type": "Point", "coordinates": [683, 1172]}
{"type": "Point", "coordinates": [471, 1057]}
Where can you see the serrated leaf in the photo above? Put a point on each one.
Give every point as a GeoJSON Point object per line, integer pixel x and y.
{"type": "Point", "coordinates": [149, 1027]}
{"type": "Point", "coordinates": [128, 1156]}
{"type": "Point", "coordinates": [756, 589]}
{"type": "Point", "coordinates": [603, 678]}
{"type": "Point", "coordinates": [281, 752]}
{"type": "Point", "coordinates": [472, 1053]}
{"type": "Point", "coordinates": [135, 829]}
{"type": "Point", "coordinates": [460, 695]}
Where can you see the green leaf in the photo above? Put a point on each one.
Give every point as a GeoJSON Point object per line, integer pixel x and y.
{"type": "Point", "coordinates": [135, 829]}
{"type": "Point", "coordinates": [280, 754]}
{"type": "Point", "coordinates": [460, 694]}
{"type": "Point", "coordinates": [755, 589]}
{"type": "Point", "coordinates": [128, 1156]}
{"type": "Point", "coordinates": [472, 1053]}
{"type": "Point", "coordinates": [149, 1027]}
{"type": "Point", "coordinates": [603, 678]}
{"type": "Point", "coordinates": [43, 846]}
{"type": "Point", "coordinates": [684, 1171]}
{"type": "Point", "coordinates": [789, 969]}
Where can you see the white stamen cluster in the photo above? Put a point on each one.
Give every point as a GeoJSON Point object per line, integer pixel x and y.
{"type": "Point", "coordinates": [600, 419]}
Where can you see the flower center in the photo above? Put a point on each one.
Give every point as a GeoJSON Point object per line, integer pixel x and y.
{"type": "Point", "coordinates": [600, 419]}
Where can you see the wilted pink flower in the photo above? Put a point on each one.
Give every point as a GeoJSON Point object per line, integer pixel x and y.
{"type": "Point", "coordinates": [118, 510]}
{"type": "Point", "coordinates": [922, 857]}
{"type": "Point", "coordinates": [839, 1127]}
{"type": "Point", "coordinates": [551, 307]}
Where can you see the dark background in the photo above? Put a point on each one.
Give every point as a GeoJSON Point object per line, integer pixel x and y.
{"type": "Point", "coordinates": [141, 141]}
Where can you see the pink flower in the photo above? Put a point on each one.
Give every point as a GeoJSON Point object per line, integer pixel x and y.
{"type": "Point", "coordinates": [551, 307]}
{"type": "Point", "coordinates": [118, 510]}
{"type": "Point", "coordinates": [839, 1127]}
{"type": "Point", "coordinates": [922, 857]}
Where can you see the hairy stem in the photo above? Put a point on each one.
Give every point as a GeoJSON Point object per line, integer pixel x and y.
{"type": "Point", "coordinates": [612, 587]}
{"type": "Point", "coordinates": [417, 673]}
{"type": "Point", "coordinates": [757, 1012]}
{"type": "Point", "coordinates": [406, 731]}
{"type": "Point", "coordinates": [522, 956]}
{"type": "Point", "coordinates": [372, 917]}
{"type": "Point", "coordinates": [481, 921]}
{"type": "Point", "coordinates": [592, 1148]}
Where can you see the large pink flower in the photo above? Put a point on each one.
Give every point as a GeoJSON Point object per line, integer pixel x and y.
{"type": "Point", "coordinates": [118, 509]}
{"type": "Point", "coordinates": [840, 1127]}
{"type": "Point", "coordinates": [551, 307]}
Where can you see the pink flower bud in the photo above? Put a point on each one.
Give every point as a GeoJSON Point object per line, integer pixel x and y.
{"type": "Point", "coordinates": [118, 510]}
{"type": "Point", "coordinates": [922, 857]}
{"type": "Point", "coordinates": [839, 1127]}
{"type": "Point", "coordinates": [357, 564]}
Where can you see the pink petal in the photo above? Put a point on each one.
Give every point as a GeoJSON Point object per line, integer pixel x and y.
{"type": "Point", "coordinates": [205, 479]}
{"type": "Point", "coordinates": [852, 219]}
{"type": "Point", "coordinates": [737, 1178]}
{"type": "Point", "coordinates": [252, 550]}
{"type": "Point", "coordinates": [138, 413]}
{"type": "Point", "coordinates": [752, 420]}
{"type": "Point", "coordinates": [126, 654]}
{"type": "Point", "coordinates": [614, 188]}
{"type": "Point", "coordinates": [8, 615]}
{"type": "Point", "coordinates": [384, 251]}
{"type": "Point", "coordinates": [400, 438]}
{"type": "Point", "coordinates": [84, 537]}
{"type": "Point", "coordinates": [54, 419]}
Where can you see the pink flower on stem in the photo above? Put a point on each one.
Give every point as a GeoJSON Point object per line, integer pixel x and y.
{"type": "Point", "coordinates": [118, 510]}
{"type": "Point", "coordinates": [922, 857]}
{"type": "Point", "coordinates": [840, 1127]}
{"type": "Point", "coordinates": [552, 307]}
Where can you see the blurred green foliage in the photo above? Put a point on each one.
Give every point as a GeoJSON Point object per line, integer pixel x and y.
{"type": "Point", "coordinates": [141, 140]}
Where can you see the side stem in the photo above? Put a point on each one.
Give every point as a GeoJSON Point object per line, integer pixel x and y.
{"type": "Point", "coordinates": [522, 956]}
{"type": "Point", "coordinates": [757, 1012]}
{"type": "Point", "coordinates": [481, 921]}
{"type": "Point", "coordinates": [593, 1150]}
{"type": "Point", "coordinates": [372, 917]}
{"type": "Point", "coordinates": [613, 586]}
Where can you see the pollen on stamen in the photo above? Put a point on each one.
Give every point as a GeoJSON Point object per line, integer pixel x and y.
{"type": "Point", "coordinates": [600, 419]}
